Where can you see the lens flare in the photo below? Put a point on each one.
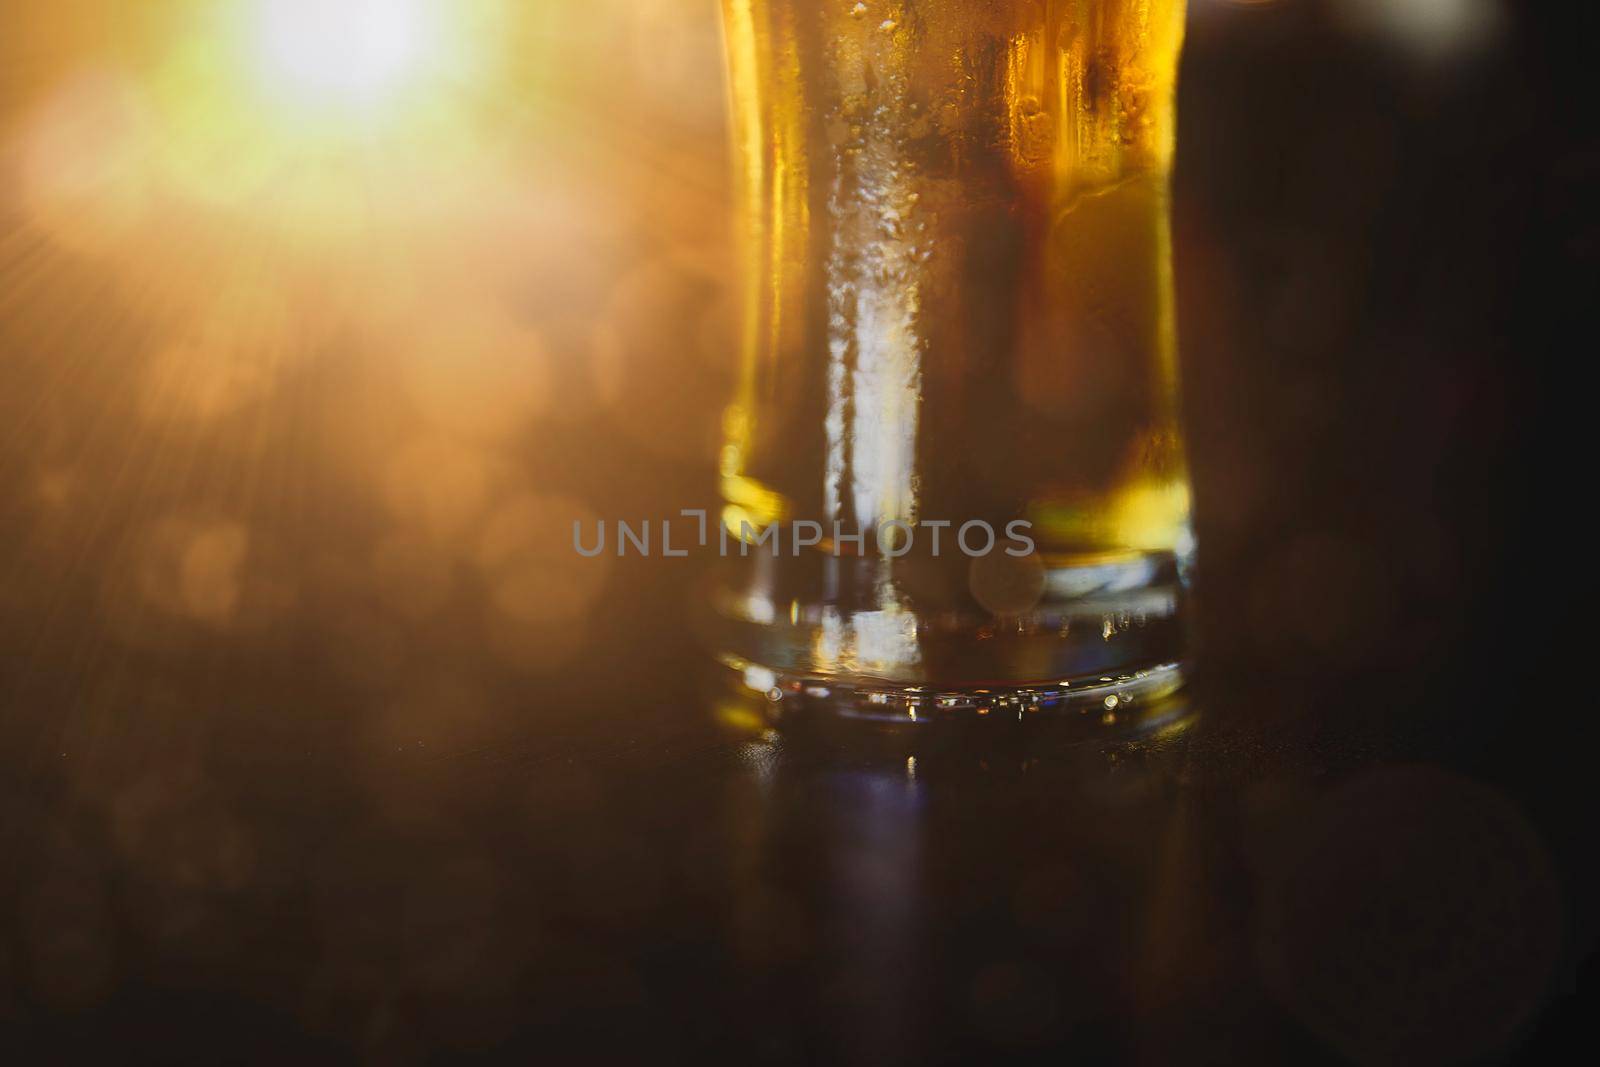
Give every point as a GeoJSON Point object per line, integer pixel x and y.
{"type": "Point", "coordinates": [341, 51]}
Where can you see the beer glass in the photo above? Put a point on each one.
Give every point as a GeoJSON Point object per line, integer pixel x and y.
{"type": "Point", "coordinates": [953, 478]}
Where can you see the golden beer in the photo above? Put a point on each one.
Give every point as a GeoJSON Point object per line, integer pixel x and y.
{"type": "Point", "coordinates": [958, 314]}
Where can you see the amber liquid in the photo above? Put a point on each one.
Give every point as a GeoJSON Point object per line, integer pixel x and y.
{"type": "Point", "coordinates": [959, 306]}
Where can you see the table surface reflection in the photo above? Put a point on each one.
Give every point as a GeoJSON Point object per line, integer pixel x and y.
{"type": "Point", "coordinates": [245, 861]}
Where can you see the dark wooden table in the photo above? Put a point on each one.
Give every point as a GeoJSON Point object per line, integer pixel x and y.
{"type": "Point", "coordinates": [238, 860]}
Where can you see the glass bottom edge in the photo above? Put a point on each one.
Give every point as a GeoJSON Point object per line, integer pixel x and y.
{"type": "Point", "coordinates": [1129, 700]}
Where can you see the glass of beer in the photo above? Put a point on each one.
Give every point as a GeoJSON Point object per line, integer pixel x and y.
{"type": "Point", "coordinates": [953, 477]}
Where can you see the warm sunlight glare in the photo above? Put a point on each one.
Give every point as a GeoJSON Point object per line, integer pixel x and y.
{"type": "Point", "coordinates": [341, 51]}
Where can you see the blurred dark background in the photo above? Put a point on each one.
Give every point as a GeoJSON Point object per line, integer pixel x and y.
{"type": "Point", "coordinates": [316, 744]}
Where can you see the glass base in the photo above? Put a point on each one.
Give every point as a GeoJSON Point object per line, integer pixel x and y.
{"type": "Point", "coordinates": [1138, 699]}
{"type": "Point", "coordinates": [865, 640]}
